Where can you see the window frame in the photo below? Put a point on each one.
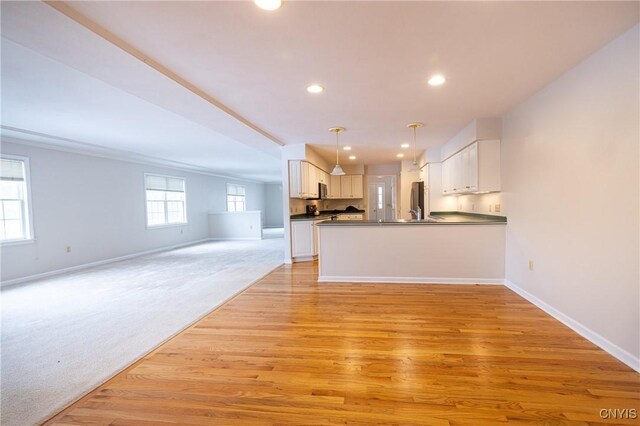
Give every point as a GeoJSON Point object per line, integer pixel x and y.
{"type": "Point", "coordinates": [166, 211]}
{"type": "Point", "coordinates": [28, 211]}
{"type": "Point", "coordinates": [244, 196]}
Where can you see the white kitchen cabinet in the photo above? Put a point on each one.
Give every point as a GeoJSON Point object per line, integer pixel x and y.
{"type": "Point", "coordinates": [314, 173]}
{"type": "Point", "coordinates": [351, 186]}
{"type": "Point", "coordinates": [304, 178]}
{"type": "Point", "coordinates": [476, 168]}
{"type": "Point", "coordinates": [303, 244]}
{"type": "Point", "coordinates": [357, 187]}
{"type": "Point", "coordinates": [447, 187]}
{"type": "Point", "coordinates": [345, 187]}
{"type": "Point", "coordinates": [334, 187]}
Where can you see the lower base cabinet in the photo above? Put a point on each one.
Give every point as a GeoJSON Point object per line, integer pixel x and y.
{"type": "Point", "coordinates": [302, 238]}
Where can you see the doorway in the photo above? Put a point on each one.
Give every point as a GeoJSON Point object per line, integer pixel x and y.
{"type": "Point", "coordinates": [381, 197]}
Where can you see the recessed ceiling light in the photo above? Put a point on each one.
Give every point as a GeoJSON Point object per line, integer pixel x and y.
{"type": "Point", "coordinates": [268, 4]}
{"type": "Point", "coordinates": [347, 148]}
{"type": "Point", "coordinates": [315, 88]}
{"type": "Point", "coordinates": [400, 155]}
{"type": "Point", "coordinates": [436, 80]}
{"type": "Point", "coordinates": [352, 157]}
{"type": "Point", "coordinates": [405, 145]}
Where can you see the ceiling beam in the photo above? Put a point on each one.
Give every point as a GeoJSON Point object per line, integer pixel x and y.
{"type": "Point", "coordinates": [92, 26]}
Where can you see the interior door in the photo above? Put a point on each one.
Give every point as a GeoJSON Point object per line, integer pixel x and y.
{"type": "Point", "coordinates": [377, 206]}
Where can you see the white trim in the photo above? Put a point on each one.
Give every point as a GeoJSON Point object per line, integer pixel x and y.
{"type": "Point", "coordinates": [112, 154]}
{"type": "Point", "coordinates": [166, 211]}
{"type": "Point", "coordinates": [595, 338]}
{"type": "Point", "coordinates": [7, 243]}
{"type": "Point", "coordinates": [236, 239]}
{"type": "Point", "coordinates": [303, 259]}
{"type": "Point", "coordinates": [29, 210]}
{"type": "Point", "coordinates": [96, 263]}
{"type": "Point", "coordinates": [411, 280]}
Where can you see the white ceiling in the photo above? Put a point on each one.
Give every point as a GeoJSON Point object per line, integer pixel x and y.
{"type": "Point", "coordinates": [372, 57]}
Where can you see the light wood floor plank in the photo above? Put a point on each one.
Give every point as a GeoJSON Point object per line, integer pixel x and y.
{"type": "Point", "coordinates": [289, 350]}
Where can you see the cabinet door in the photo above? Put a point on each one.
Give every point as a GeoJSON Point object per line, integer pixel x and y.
{"type": "Point", "coordinates": [294, 180]}
{"type": "Point", "coordinates": [304, 179]}
{"type": "Point", "coordinates": [313, 181]}
{"type": "Point", "coordinates": [446, 177]}
{"type": "Point", "coordinates": [472, 168]}
{"type": "Point", "coordinates": [302, 238]}
{"type": "Point", "coordinates": [457, 170]}
{"type": "Point", "coordinates": [357, 189]}
{"type": "Point", "coordinates": [335, 187]}
{"type": "Point", "coordinates": [463, 164]}
{"type": "Point", "coordinates": [345, 187]}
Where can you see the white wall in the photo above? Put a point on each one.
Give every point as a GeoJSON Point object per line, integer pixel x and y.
{"type": "Point", "coordinates": [273, 217]}
{"type": "Point", "coordinates": [571, 192]}
{"type": "Point", "coordinates": [245, 225]}
{"type": "Point", "coordinates": [97, 206]}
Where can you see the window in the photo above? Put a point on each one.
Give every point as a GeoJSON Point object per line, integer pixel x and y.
{"type": "Point", "coordinates": [15, 217]}
{"type": "Point", "coordinates": [165, 200]}
{"type": "Point", "coordinates": [235, 198]}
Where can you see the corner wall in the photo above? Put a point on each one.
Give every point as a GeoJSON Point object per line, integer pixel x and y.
{"type": "Point", "coordinates": [97, 207]}
{"type": "Point", "coordinates": [571, 189]}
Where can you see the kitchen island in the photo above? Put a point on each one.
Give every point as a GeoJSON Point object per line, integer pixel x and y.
{"type": "Point", "coordinates": [448, 248]}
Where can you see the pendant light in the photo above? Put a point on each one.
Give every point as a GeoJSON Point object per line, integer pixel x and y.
{"type": "Point", "coordinates": [337, 170]}
{"type": "Point", "coordinates": [414, 166]}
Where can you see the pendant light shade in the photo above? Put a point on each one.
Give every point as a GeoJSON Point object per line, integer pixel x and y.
{"type": "Point", "coordinates": [337, 170]}
{"type": "Point", "coordinates": [415, 167]}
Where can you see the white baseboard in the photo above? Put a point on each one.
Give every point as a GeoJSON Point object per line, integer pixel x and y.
{"type": "Point", "coordinates": [410, 280]}
{"type": "Point", "coordinates": [21, 280]}
{"type": "Point", "coordinates": [587, 333]}
{"type": "Point", "coordinates": [235, 239]}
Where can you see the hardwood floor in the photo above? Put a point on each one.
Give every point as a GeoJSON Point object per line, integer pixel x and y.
{"type": "Point", "coordinates": [291, 351]}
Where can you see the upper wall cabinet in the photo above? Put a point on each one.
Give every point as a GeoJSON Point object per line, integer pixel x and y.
{"type": "Point", "coordinates": [347, 186]}
{"type": "Point", "coordinates": [334, 187]}
{"type": "Point", "coordinates": [304, 178]}
{"type": "Point", "coordinates": [474, 169]}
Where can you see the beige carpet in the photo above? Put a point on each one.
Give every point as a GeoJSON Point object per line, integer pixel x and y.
{"type": "Point", "coordinates": [64, 335]}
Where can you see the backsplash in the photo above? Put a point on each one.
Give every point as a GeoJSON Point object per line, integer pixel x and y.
{"type": "Point", "coordinates": [298, 206]}
{"type": "Point", "coordinates": [342, 204]}
{"type": "Point", "coordinates": [481, 203]}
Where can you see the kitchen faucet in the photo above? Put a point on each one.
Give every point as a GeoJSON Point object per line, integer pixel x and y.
{"type": "Point", "coordinates": [417, 212]}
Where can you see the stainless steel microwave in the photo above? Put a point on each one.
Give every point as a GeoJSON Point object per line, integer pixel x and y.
{"type": "Point", "coordinates": [322, 191]}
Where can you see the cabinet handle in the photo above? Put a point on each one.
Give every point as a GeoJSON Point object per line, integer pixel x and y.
{"type": "Point", "coordinates": [455, 189]}
{"type": "Point", "coordinates": [468, 187]}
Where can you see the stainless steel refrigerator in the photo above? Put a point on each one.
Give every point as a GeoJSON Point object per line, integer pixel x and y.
{"type": "Point", "coordinates": [417, 199]}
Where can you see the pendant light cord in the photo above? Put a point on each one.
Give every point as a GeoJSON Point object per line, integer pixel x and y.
{"type": "Point", "coordinates": [414, 145]}
{"type": "Point", "coordinates": [337, 150]}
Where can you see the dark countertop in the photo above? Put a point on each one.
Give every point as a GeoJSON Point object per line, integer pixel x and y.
{"type": "Point", "coordinates": [436, 218]}
{"type": "Point", "coordinates": [324, 214]}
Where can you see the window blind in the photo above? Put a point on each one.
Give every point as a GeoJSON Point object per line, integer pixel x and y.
{"type": "Point", "coordinates": [164, 183]}
{"type": "Point", "coordinates": [11, 170]}
{"type": "Point", "coordinates": [235, 189]}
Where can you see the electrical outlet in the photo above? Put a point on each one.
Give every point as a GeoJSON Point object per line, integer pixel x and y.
{"type": "Point", "coordinates": [67, 249]}
{"type": "Point", "coordinates": [531, 265]}
{"type": "Point", "coordinates": [473, 207]}
{"type": "Point", "coordinates": [497, 208]}
{"type": "Point", "coordinates": [490, 208]}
